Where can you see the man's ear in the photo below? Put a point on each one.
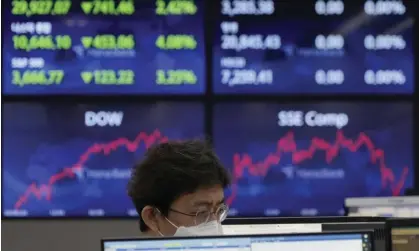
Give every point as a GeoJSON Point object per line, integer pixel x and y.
{"type": "Point", "coordinates": [149, 215]}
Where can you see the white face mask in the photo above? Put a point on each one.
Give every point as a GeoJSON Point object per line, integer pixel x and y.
{"type": "Point", "coordinates": [209, 228]}
{"type": "Point", "coordinates": [204, 229]}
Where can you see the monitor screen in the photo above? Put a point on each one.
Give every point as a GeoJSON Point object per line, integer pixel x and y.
{"type": "Point", "coordinates": [405, 238]}
{"type": "Point", "coordinates": [238, 229]}
{"type": "Point", "coordinates": [74, 160]}
{"type": "Point", "coordinates": [287, 225]}
{"type": "Point", "coordinates": [103, 47]}
{"type": "Point", "coordinates": [324, 242]}
{"type": "Point", "coordinates": [342, 46]}
{"type": "Point", "coordinates": [404, 206]}
{"type": "Point", "coordinates": [305, 159]}
{"type": "Point", "coordinates": [283, 225]}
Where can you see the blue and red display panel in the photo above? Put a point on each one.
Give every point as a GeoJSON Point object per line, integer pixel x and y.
{"type": "Point", "coordinates": [305, 159]}
{"type": "Point", "coordinates": [315, 47]}
{"type": "Point", "coordinates": [103, 47]}
{"type": "Point", "coordinates": [79, 164]}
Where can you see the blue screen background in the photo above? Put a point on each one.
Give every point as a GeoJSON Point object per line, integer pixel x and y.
{"type": "Point", "coordinates": [146, 27]}
{"type": "Point", "coordinates": [251, 131]}
{"type": "Point", "coordinates": [40, 143]}
{"type": "Point", "coordinates": [294, 65]}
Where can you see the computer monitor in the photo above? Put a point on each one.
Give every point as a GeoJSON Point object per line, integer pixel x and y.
{"type": "Point", "coordinates": [278, 225]}
{"type": "Point", "coordinates": [405, 206]}
{"type": "Point", "coordinates": [344, 241]}
{"type": "Point", "coordinates": [404, 234]}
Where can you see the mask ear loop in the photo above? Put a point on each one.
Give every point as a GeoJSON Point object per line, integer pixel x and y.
{"type": "Point", "coordinates": [170, 222]}
{"type": "Point", "coordinates": [156, 210]}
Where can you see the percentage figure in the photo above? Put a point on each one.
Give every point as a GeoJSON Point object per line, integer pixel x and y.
{"type": "Point", "coordinates": [175, 7]}
{"type": "Point", "coordinates": [384, 42]}
{"type": "Point", "coordinates": [384, 8]}
{"type": "Point", "coordinates": [175, 77]}
{"type": "Point", "coordinates": [385, 77]}
{"type": "Point", "coordinates": [176, 42]}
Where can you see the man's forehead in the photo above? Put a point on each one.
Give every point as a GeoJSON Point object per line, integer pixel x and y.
{"type": "Point", "coordinates": [207, 202]}
{"type": "Point", "coordinates": [207, 197]}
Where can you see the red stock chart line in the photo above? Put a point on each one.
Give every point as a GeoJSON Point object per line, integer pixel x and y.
{"type": "Point", "coordinates": [288, 145]}
{"type": "Point", "coordinates": [103, 148]}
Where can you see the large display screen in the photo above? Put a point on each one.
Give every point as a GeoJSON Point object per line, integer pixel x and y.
{"type": "Point", "coordinates": [79, 164]}
{"type": "Point", "coordinates": [103, 47]}
{"type": "Point", "coordinates": [305, 159]}
{"type": "Point", "coordinates": [319, 46]}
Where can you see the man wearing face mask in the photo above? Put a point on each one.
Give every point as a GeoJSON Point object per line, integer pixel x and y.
{"type": "Point", "coordinates": [178, 189]}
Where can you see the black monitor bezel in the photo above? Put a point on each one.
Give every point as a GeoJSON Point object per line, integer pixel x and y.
{"type": "Point", "coordinates": [301, 220]}
{"type": "Point", "coordinates": [402, 222]}
{"type": "Point", "coordinates": [369, 232]}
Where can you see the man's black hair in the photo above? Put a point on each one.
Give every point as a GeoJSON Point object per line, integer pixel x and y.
{"type": "Point", "coordinates": [170, 170]}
